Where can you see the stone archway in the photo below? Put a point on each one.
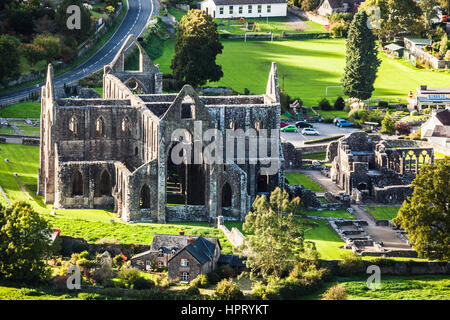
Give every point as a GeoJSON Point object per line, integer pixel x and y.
{"type": "Point", "coordinates": [227, 196]}
{"type": "Point", "coordinates": [105, 183]}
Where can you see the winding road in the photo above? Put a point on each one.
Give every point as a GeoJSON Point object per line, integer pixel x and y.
{"type": "Point", "coordinates": [134, 22]}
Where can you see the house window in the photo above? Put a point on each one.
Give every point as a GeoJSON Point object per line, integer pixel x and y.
{"type": "Point", "coordinates": [269, 8]}
{"type": "Point", "coordinates": [220, 10]}
{"type": "Point", "coordinates": [231, 9]}
{"type": "Point", "coordinates": [240, 9]}
{"type": "Point", "coordinates": [250, 8]}
{"type": "Point", "coordinates": [185, 276]}
{"type": "Point", "coordinates": [147, 265]}
{"type": "Point", "coordinates": [184, 262]}
{"type": "Point", "coordinates": [160, 253]}
{"type": "Point", "coordinates": [160, 264]}
{"type": "Point", "coordinates": [259, 8]}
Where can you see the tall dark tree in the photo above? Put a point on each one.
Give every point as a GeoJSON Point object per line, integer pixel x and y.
{"type": "Point", "coordinates": [196, 47]}
{"type": "Point", "coordinates": [9, 59]}
{"type": "Point", "coordinates": [362, 62]}
{"type": "Point", "coordinates": [426, 215]}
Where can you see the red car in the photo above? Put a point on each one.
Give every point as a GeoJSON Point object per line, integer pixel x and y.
{"type": "Point", "coordinates": [283, 124]}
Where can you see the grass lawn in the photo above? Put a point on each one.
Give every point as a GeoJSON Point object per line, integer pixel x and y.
{"type": "Point", "coordinates": [275, 25]}
{"type": "Point", "coordinates": [383, 213]}
{"type": "Point", "coordinates": [99, 91]}
{"type": "Point", "coordinates": [315, 156]}
{"type": "Point", "coordinates": [178, 14]}
{"type": "Point", "coordinates": [90, 224]}
{"type": "Point", "coordinates": [329, 213]}
{"type": "Point", "coordinates": [298, 178]}
{"type": "Point", "coordinates": [306, 68]}
{"type": "Point", "coordinates": [22, 110]}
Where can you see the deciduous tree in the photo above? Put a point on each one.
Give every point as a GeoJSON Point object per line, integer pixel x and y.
{"type": "Point", "coordinates": [277, 239]}
{"type": "Point", "coordinates": [24, 244]}
{"type": "Point", "coordinates": [425, 216]}
{"type": "Point", "coordinates": [9, 59]}
{"type": "Point", "coordinates": [196, 47]}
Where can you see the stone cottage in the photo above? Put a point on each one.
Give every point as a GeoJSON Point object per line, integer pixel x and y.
{"type": "Point", "coordinates": [185, 257]}
{"type": "Point", "coordinates": [119, 152]}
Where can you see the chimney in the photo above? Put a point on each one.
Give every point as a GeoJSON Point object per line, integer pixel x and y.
{"type": "Point", "coordinates": [182, 232]}
{"type": "Point", "coordinates": [190, 240]}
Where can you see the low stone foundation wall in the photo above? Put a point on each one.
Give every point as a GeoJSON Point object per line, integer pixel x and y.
{"type": "Point", "coordinates": [392, 194]}
{"type": "Point", "coordinates": [186, 213]}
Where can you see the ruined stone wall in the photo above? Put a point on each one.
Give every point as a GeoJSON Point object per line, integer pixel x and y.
{"type": "Point", "coordinates": [392, 194]}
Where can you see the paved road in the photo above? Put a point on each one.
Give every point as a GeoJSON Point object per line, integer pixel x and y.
{"type": "Point", "coordinates": [325, 130]}
{"type": "Point", "coordinates": [134, 22]}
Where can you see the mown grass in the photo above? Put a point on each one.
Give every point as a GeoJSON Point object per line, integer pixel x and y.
{"type": "Point", "coordinates": [23, 110]}
{"type": "Point", "coordinates": [298, 178]}
{"type": "Point", "coordinates": [315, 156]}
{"type": "Point", "coordinates": [306, 68]}
{"type": "Point", "coordinates": [329, 213]}
{"type": "Point", "coordinates": [90, 224]}
{"type": "Point", "coordinates": [383, 213]}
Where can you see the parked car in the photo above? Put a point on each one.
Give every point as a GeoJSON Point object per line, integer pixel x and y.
{"type": "Point", "coordinates": [289, 129]}
{"type": "Point", "coordinates": [336, 120]}
{"type": "Point", "coordinates": [303, 124]}
{"type": "Point", "coordinates": [344, 123]}
{"type": "Point", "coordinates": [310, 131]}
{"type": "Point", "coordinates": [283, 124]}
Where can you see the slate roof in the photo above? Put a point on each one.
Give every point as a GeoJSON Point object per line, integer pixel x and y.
{"type": "Point", "coordinates": [169, 241]}
{"type": "Point", "coordinates": [202, 250]}
{"type": "Point", "coordinates": [237, 2]}
{"type": "Point", "coordinates": [444, 117]}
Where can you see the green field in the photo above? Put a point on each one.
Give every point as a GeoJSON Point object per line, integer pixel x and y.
{"type": "Point", "coordinates": [90, 224]}
{"type": "Point", "coordinates": [315, 156]}
{"type": "Point", "coordinates": [306, 68]}
{"type": "Point", "coordinates": [23, 110]}
{"type": "Point", "coordinates": [298, 178]}
{"type": "Point", "coordinates": [329, 213]}
{"type": "Point", "coordinates": [383, 213]}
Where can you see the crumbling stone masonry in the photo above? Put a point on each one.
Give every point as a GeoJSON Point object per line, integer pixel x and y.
{"type": "Point", "coordinates": [365, 166]}
{"type": "Point", "coordinates": [115, 152]}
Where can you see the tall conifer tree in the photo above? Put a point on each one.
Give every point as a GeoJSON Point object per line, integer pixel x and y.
{"type": "Point", "coordinates": [362, 62]}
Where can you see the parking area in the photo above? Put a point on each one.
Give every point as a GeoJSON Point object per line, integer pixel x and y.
{"type": "Point", "coordinates": [324, 129]}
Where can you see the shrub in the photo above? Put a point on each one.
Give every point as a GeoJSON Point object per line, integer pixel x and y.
{"type": "Point", "coordinates": [226, 271]}
{"type": "Point", "coordinates": [228, 290]}
{"type": "Point", "coordinates": [324, 104]}
{"type": "Point", "coordinates": [339, 104]}
{"type": "Point", "coordinates": [117, 261]}
{"type": "Point", "coordinates": [285, 100]}
{"type": "Point", "coordinates": [383, 104]}
{"type": "Point", "coordinates": [200, 282]}
{"type": "Point", "coordinates": [414, 113]}
{"type": "Point", "coordinates": [129, 275]}
{"type": "Point", "coordinates": [337, 292]}
{"type": "Point", "coordinates": [339, 29]}
{"type": "Point", "coordinates": [213, 277]}
{"type": "Point", "coordinates": [192, 291]}
{"type": "Point", "coordinates": [402, 128]}
{"type": "Point", "coordinates": [350, 265]}
{"type": "Point", "coordinates": [141, 284]}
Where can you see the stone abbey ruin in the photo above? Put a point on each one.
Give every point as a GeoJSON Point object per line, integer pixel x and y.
{"type": "Point", "coordinates": [115, 152]}
{"type": "Point", "coordinates": [367, 167]}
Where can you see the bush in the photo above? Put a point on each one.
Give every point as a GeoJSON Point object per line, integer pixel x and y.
{"type": "Point", "coordinates": [213, 277]}
{"type": "Point", "coordinates": [117, 261]}
{"type": "Point", "coordinates": [337, 292]}
{"type": "Point", "coordinates": [339, 104]}
{"type": "Point", "coordinates": [228, 290]}
{"type": "Point", "coordinates": [324, 104]}
{"type": "Point", "coordinates": [200, 282]}
{"type": "Point", "coordinates": [192, 291]}
{"type": "Point", "coordinates": [129, 275]}
{"type": "Point", "coordinates": [285, 101]}
{"type": "Point", "coordinates": [339, 29]}
{"type": "Point", "coordinates": [141, 284]}
{"type": "Point", "coordinates": [402, 128]}
{"type": "Point", "coordinates": [226, 271]}
{"type": "Point", "coordinates": [350, 265]}
{"type": "Point", "coordinates": [383, 104]}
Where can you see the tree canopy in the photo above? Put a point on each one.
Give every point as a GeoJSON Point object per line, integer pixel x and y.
{"type": "Point", "coordinates": [277, 237]}
{"type": "Point", "coordinates": [425, 216]}
{"type": "Point", "coordinates": [196, 47]}
{"type": "Point", "coordinates": [9, 59]}
{"type": "Point", "coordinates": [24, 243]}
